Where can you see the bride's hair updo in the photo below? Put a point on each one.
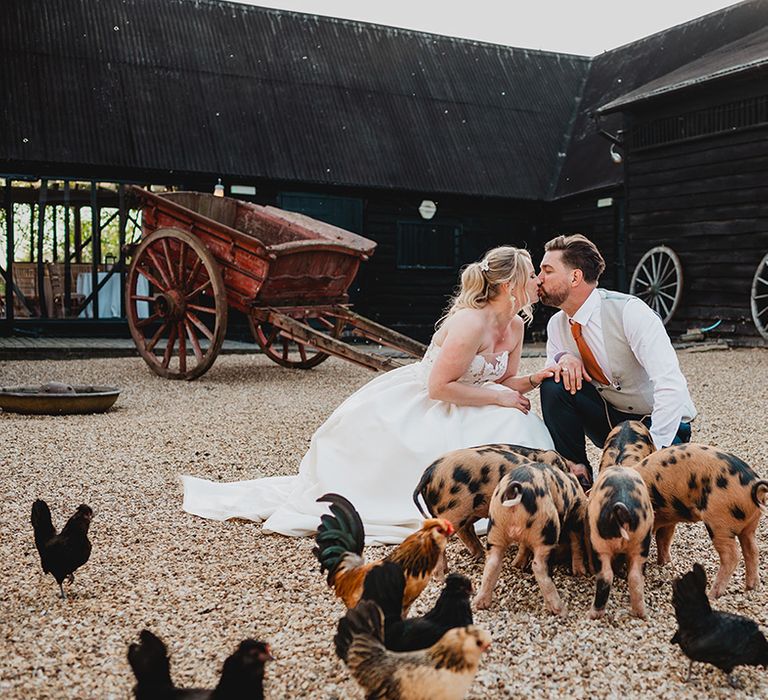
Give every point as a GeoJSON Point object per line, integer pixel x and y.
{"type": "Point", "coordinates": [481, 281]}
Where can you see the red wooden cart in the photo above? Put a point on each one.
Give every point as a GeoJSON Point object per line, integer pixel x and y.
{"type": "Point", "coordinates": [289, 274]}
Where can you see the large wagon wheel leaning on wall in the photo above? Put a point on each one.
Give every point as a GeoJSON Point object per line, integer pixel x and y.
{"type": "Point", "coordinates": [176, 304]}
{"type": "Point", "coordinates": [279, 347]}
{"type": "Point", "coordinates": [759, 297]}
{"type": "Point", "coordinates": [658, 281]}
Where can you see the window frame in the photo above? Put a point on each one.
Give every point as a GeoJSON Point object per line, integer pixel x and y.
{"type": "Point", "coordinates": [457, 231]}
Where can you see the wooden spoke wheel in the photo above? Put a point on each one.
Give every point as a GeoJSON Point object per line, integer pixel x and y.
{"type": "Point", "coordinates": [279, 346]}
{"type": "Point", "coordinates": [759, 297]}
{"type": "Point", "coordinates": [658, 281]}
{"type": "Point", "coordinates": [176, 304]}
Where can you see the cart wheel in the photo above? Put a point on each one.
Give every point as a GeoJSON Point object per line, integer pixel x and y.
{"type": "Point", "coordinates": [176, 304]}
{"type": "Point", "coordinates": [759, 297]}
{"type": "Point", "coordinates": [658, 281]}
{"type": "Point", "coordinates": [281, 349]}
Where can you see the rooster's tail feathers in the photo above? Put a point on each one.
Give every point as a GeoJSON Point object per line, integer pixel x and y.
{"type": "Point", "coordinates": [338, 533]}
{"type": "Point", "coordinates": [42, 523]}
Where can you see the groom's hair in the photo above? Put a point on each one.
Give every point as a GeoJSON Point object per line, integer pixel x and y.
{"type": "Point", "coordinates": [579, 253]}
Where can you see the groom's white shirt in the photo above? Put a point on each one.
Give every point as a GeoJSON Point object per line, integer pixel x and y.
{"type": "Point", "coordinates": [650, 344]}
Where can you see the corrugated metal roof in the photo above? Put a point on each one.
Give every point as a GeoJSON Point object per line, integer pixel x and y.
{"type": "Point", "coordinates": [212, 87]}
{"type": "Point", "coordinates": [588, 165]}
{"type": "Point", "coordinates": [741, 56]}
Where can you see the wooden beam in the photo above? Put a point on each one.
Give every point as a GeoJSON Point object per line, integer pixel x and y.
{"type": "Point", "coordinates": [40, 249]}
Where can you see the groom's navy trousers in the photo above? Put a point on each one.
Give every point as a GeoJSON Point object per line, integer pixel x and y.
{"type": "Point", "coordinates": [569, 417]}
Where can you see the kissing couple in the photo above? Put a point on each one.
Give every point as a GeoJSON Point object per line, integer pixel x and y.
{"type": "Point", "coordinates": [609, 359]}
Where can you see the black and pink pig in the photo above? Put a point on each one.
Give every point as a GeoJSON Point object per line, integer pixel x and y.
{"type": "Point", "coordinates": [458, 486]}
{"type": "Point", "coordinates": [539, 506]}
{"type": "Point", "coordinates": [619, 524]}
{"type": "Point", "coordinates": [692, 482]}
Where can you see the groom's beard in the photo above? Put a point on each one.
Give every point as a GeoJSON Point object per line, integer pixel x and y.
{"type": "Point", "coordinates": [553, 297]}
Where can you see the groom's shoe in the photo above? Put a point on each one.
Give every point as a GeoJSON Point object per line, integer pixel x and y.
{"type": "Point", "coordinates": [582, 473]}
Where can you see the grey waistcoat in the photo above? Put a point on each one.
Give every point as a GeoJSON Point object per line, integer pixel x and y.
{"type": "Point", "coordinates": [631, 390]}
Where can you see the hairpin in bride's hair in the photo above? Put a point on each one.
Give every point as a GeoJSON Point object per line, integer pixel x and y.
{"type": "Point", "coordinates": [484, 265]}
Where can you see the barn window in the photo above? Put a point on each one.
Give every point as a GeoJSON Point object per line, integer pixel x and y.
{"type": "Point", "coordinates": [344, 212]}
{"type": "Point", "coordinates": [422, 245]}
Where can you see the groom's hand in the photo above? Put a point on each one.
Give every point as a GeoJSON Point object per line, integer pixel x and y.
{"type": "Point", "coordinates": [571, 369]}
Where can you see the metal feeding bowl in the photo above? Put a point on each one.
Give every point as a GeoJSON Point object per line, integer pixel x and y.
{"type": "Point", "coordinates": [57, 398]}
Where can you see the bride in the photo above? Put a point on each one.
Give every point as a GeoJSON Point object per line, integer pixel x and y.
{"type": "Point", "coordinates": [374, 447]}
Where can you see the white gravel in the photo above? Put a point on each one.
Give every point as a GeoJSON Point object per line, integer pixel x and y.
{"type": "Point", "coordinates": [203, 586]}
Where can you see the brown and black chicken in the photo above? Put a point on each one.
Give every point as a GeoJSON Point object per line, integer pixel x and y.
{"type": "Point", "coordinates": [63, 553]}
{"type": "Point", "coordinates": [722, 639]}
{"type": "Point", "coordinates": [242, 676]}
{"type": "Point", "coordinates": [445, 670]}
{"type": "Point", "coordinates": [340, 540]}
{"type": "Point", "coordinates": [384, 585]}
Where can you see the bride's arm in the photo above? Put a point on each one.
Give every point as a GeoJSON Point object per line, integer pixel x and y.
{"type": "Point", "coordinates": [459, 348]}
{"type": "Point", "coordinates": [528, 382]}
{"type": "Point", "coordinates": [525, 382]}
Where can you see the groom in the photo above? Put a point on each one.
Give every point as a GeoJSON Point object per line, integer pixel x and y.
{"type": "Point", "coordinates": [611, 356]}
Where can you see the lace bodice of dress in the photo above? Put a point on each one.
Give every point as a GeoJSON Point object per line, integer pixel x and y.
{"type": "Point", "coordinates": [479, 370]}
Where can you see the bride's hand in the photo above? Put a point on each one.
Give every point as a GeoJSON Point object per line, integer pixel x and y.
{"type": "Point", "coordinates": [538, 377]}
{"type": "Point", "coordinates": [513, 399]}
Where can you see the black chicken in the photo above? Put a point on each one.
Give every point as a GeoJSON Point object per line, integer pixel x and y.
{"type": "Point", "coordinates": [242, 676]}
{"type": "Point", "coordinates": [61, 554]}
{"type": "Point", "coordinates": [385, 584]}
{"type": "Point", "coordinates": [718, 638]}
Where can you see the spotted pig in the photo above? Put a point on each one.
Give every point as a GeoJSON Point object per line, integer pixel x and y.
{"type": "Point", "coordinates": [629, 443]}
{"type": "Point", "coordinates": [459, 485]}
{"type": "Point", "coordinates": [688, 483]}
{"type": "Point", "coordinates": [619, 522]}
{"type": "Point", "coordinates": [538, 506]}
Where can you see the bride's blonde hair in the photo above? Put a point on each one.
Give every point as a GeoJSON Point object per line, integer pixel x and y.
{"type": "Point", "coordinates": [481, 281]}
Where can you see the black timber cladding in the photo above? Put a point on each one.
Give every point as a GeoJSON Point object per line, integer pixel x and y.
{"type": "Point", "coordinates": [214, 87]}
{"type": "Point", "coordinates": [706, 198]}
{"type": "Point", "coordinates": [619, 71]}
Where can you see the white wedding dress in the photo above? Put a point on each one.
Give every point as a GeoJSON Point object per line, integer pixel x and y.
{"type": "Point", "coordinates": [373, 450]}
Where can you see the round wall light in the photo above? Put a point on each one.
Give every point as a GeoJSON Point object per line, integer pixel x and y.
{"type": "Point", "coordinates": [427, 209]}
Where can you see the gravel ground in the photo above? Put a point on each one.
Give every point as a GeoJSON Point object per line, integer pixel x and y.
{"type": "Point", "coordinates": [203, 586]}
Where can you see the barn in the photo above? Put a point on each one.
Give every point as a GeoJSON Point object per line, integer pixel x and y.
{"type": "Point", "coordinates": [436, 148]}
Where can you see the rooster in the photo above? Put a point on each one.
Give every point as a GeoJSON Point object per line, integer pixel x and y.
{"type": "Point", "coordinates": [242, 675]}
{"type": "Point", "coordinates": [384, 585]}
{"type": "Point", "coordinates": [445, 670]}
{"type": "Point", "coordinates": [63, 553]}
{"type": "Point", "coordinates": [340, 540]}
{"type": "Point", "coordinates": [718, 638]}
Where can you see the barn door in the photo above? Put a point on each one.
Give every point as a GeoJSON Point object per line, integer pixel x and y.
{"type": "Point", "coordinates": [344, 212]}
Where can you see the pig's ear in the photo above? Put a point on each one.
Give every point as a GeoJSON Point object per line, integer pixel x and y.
{"type": "Point", "coordinates": [513, 495]}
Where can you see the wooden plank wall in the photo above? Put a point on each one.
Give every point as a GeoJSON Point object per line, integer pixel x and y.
{"type": "Point", "coordinates": [708, 200]}
{"type": "Point", "coordinates": [580, 214]}
{"type": "Point", "coordinates": [411, 301]}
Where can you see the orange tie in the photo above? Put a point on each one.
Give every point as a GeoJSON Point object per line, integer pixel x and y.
{"type": "Point", "coordinates": [590, 363]}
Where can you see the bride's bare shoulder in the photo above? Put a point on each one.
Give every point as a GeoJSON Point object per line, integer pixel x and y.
{"type": "Point", "coordinates": [517, 325]}
{"type": "Point", "coordinates": [462, 324]}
